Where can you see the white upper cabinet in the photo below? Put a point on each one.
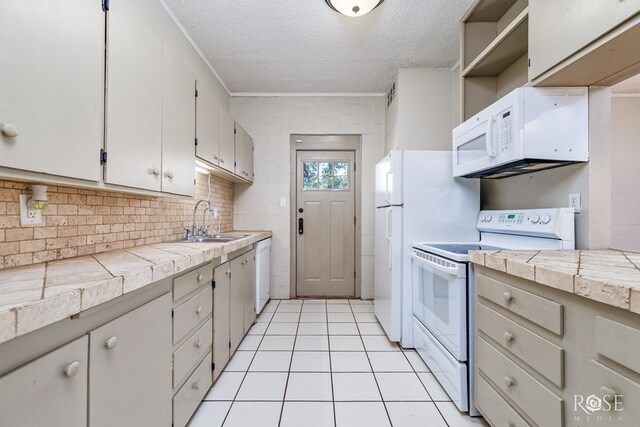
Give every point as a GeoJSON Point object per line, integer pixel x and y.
{"type": "Point", "coordinates": [51, 86]}
{"type": "Point", "coordinates": [178, 117]}
{"type": "Point", "coordinates": [134, 100]}
{"type": "Point", "coordinates": [244, 154]}
{"type": "Point", "coordinates": [227, 141]}
{"type": "Point", "coordinates": [207, 126]}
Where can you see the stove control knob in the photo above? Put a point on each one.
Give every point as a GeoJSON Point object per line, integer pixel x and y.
{"type": "Point", "coordinates": [483, 218]}
{"type": "Point", "coordinates": [535, 219]}
{"type": "Point", "coordinates": [546, 219]}
{"type": "Point", "coordinates": [489, 218]}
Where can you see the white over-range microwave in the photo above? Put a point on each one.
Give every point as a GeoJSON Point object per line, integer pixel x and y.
{"type": "Point", "coordinates": [528, 130]}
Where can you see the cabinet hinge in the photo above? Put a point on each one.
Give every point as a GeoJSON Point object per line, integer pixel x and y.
{"type": "Point", "coordinates": [213, 284]}
{"type": "Point", "coordinates": [196, 93]}
{"type": "Point", "coordinates": [229, 344]}
{"type": "Point", "coordinates": [172, 314]}
{"type": "Point", "coordinates": [105, 5]}
{"type": "Point", "coordinates": [213, 366]}
{"type": "Point", "coordinates": [354, 274]}
{"type": "Point", "coordinates": [235, 131]}
{"type": "Point", "coordinates": [354, 220]}
{"type": "Point", "coordinates": [355, 167]}
{"type": "Point", "coordinates": [529, 62]}
{"type": "Point", "coordinates": [103, 156]}
{"type": "Point", "coordinates": [235, 164]}
{"type": "Point", "coordinates": [195, 141]}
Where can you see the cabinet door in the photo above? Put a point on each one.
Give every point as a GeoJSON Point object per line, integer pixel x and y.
{"type": "Point", "coordinates": [558, 29]}
{"type": "Point", "coordinates": [178, 129]}
{"type": "Point", "coordinates": [52, 86]}
{"type": "Point", "coordinates": [249, 158]}
{"type": "Point", "coordinates": [134, 100]}
{"type": "Point", "coordinates": [130, 368]}
{"type": "Point", "coordinates": [51, 391]}
{"type": "Point", "coordinates": [207, 126]}
{"type": "Point", "coordinates": [227, 140]}
{"type": "Point", "coordinates": [221, 319]}
{"type": "Point", "coordinates": [240, 152]}
{"type": "Point", "coordinates": [236, 306]}
{"type": "Point", "coordinates": [250, 290]}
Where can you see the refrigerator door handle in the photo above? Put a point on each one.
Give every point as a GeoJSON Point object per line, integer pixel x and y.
{"type": "Point", "coordinates": [387, 194]}
{"type": "Point", "coordinates": [387, 234]}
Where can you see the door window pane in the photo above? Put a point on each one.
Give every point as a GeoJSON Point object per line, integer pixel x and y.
{"type": "Point", "coordinates": [325, 176]}
{"type": "Point", "coordinates": [310, 176]}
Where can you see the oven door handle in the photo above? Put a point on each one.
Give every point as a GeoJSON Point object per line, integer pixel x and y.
{"type": "Point", "coordinates": [452, 271]}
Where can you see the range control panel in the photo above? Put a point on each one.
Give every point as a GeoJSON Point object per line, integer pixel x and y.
{"type": "Point", "coordinates": [527, 222]}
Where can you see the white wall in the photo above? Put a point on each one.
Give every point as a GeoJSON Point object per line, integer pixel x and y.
{"type": "Point", "coordinates": [271, 121]}
{"type": "Point", "coordinates": [625, 190]}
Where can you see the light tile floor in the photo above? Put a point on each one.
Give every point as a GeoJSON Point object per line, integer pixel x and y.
{"type": "Point", "coordinates": [325, 363]}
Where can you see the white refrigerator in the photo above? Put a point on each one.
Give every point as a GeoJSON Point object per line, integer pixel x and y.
{"type": "Point", "coordinates": [417, 200]}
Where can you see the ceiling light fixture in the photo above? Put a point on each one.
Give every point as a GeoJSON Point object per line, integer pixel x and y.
{"type": "Point", "coordinates": [353, 8]}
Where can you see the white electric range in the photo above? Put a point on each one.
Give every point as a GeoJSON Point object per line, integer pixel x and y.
{"type": "Point", "coordinates": [443, 289]}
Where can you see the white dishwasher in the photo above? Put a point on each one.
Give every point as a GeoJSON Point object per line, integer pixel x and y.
{"type": "Point", "coordinates": [263, 255]}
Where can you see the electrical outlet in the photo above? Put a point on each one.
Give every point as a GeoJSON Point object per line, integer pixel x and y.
{"type": "Point", "coordinates": [29, 216]}
{"type": "Point", "coordinates": [574, 201]}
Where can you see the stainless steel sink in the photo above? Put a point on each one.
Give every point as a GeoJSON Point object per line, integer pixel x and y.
{"type": "Point", "coordinates": [218, 238]}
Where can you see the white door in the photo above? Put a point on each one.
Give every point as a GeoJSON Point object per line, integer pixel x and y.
{"type": "Point", "coordinates": [178, 126]}
{"type": "Point", "coordinates": [134, 100]}
{"type": "Point", "coordinates": [325, 223]}
{"type": "Point", "coordinates": [207, 126]}
{"type": "Point", "coordinates": [52, 86]}
{"type": "Point", "coordinates": [240, 163]}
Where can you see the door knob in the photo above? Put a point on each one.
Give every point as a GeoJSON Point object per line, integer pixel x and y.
{"type": "Point", "coordinates": [300, 226]}
{"type": "Point", "coordinates": [111, 343]}
{"type": "Point", "coordinates": [8, 130]}
{"type": "Point", "coordinates": [72, 369]}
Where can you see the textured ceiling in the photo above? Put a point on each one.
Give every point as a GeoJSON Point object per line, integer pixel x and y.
{"type": "Point", "coordinates": [301, 46]}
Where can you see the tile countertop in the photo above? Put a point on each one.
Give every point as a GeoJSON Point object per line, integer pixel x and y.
{"type": "Point", "coordinates": [35, 296]}
{"type": "Point", "coordinates": [608, 276]}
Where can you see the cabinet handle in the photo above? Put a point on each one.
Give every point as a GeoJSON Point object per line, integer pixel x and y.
{"type": "Point", "coordinates": [215, 157]}
{"type": "Point", "coordinates": [508, 296]}
{"type": "Point", "coordinates": [199, 309]}
{"type": "Point", "coordinates": [509, 382]}
{"type": "Point", "coordinates": [198, 343]}
{"type": "Point", "coordinates": [199, 277]}
{"type": "Point", "coordinates": [221, 160]}
{"type": "Point", "coordinates": [8, 130]}
{"type": "Point", "coordinates": [196, 385]}
{"type": "Point", "coordinates": [111, 343]}
{"type": "Point", "coordinates": [155, 171]}
{"type": "Point", "coordinates": [72, 369]}
{"type": "Point", "coordinates": [608, 393]}
{"type": "Point", "coordinates": [508, 337]}
{"type": "Point", "coordinates": [168, 174]}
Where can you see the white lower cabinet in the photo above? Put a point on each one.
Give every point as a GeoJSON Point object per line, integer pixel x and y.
{"type": "Point", "coordinates": [130, 368]}
{"type": "Point", "coordinates": [221, 295]}
{"type": "Point", "coordinates": [50, 391]}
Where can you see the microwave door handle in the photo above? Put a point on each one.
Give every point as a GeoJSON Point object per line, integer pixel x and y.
{"type": "Point", "coordinates": [489, 138]}
{"type": "Point", "coordinates": [387, 234]}
{"type": "Point", "coordinates": [452, 271]}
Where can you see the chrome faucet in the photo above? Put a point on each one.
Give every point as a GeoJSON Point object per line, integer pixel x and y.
{"type": "Point", "coordinates": [198, 232]}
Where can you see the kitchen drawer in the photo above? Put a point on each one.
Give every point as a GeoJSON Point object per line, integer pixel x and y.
{"type": "Point", "coordinates": [189, 282]}
{"type": "Point", "coordinates": [538, 402]}
{"type": "Point", "coordinates": [542, 355]}
{"type": "Point", "coordinates": [494, 408]}
{"type": "Point", "coordinates": [611, 387]}
{"type": "Point", "coordinates": [618, 342]}
{"type": "Point", "coordinates": [186, 358]}
{"type": "Point", "coordinates": [541, 311]}
{"type": "Point", "coordinates": [186, 401]}
{"type": "Point", "coordinates": [188, 315]}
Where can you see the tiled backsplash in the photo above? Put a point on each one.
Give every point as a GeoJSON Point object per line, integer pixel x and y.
{"type": "Point", "coordinates": [81, 222]}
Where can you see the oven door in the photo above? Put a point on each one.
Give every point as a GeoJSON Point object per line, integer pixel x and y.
{"type": "Point", "coordinates": [440, 300]}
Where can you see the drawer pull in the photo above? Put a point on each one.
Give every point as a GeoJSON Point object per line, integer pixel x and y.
{"type": "Point", "coordinates": [198, 343]}
{"type": "Point", "coordinates": [508, 296]}
{"type": "Point", "coordinates": [508, 337]}
{"type": "Point", "coordinates": [72, 369]}
{"type": "Point", "coordinates": [196, 385]}
{"type": "Point", "coordinates": [199, 309]}
{"type": "Point", "coordinates": [509, 382]}
{"type": "Point", "coordinates": [608, 393]}
{"type": "Point", "coordinates": [8, 130]}
{"type": "Point", "coordinates": [111, 343]}
{"type": "Point", "coordinates": [199, 277]}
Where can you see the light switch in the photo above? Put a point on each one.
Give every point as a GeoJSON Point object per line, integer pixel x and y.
{"type": "Point", "coordinates": [283, 201]}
